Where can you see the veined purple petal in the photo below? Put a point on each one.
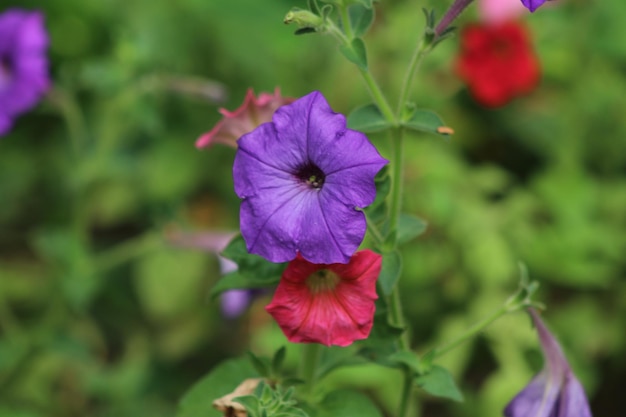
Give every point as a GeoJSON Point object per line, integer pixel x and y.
{"type": "Point", "coordinates": [302, 178]}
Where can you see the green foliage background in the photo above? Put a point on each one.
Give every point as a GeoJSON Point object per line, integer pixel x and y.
{"type": "Point", "coordinates": [100, 317]}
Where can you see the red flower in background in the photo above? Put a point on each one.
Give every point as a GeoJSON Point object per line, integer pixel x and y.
{"type": "Point", "coordinates": [497, 62]}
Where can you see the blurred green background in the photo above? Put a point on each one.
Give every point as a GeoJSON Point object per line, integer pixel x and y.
{"type": "Point", "coordinates": [100, 317]}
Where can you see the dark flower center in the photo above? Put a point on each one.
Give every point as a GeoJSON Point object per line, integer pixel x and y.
{"type": "Point", "coordinates": [311, 175]}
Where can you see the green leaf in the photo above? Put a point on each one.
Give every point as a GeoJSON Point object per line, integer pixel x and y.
{"type": "Point", "coordinates": [390, 271]}
{"type": "Point", "coordinates": [355, 53]}
{"type": "Point", "coordinates": [426, 121]}
{"type": "Point", "coordinates": [367, 3]}
{"type": "Point", "coordinates": [367, 119]}
{"type": "Point", "coordinates": [409, 359]}
{"type": "Point", "coordinates": [254, 270]}
{"type": "Point", "coordinates": [223, 379]}
{"type": "Point", "coordinates": [262, 365]}
{"type": "Point", "coordinates": [236, 280]}
{"type": "Point", "coordinates": [250, 402]}
{"type": "Point", "coordinates": [410, 227]}
{"type": "Point", "coordinates": [278, 359]}
{"type": "Point", "coordinates": [345, 403]}
{"type": "Point", "coordinates": [439, 382]}
{"type": "Point", "coordinates": [332, 358]}
{"type": "Point", "coordinates": [361, 19]}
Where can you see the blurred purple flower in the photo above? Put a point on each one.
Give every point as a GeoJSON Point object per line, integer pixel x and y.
{"type": "Point", "coordinates": [555, 391]}
{"type": "Point", "coordinates": [23, 63]}
{"type": "Point", "coordinates": [532, 5]}
{"type": "Point", "coordinates": [233, 302]}
{"type": "Point", "coordinates": [302, 178]}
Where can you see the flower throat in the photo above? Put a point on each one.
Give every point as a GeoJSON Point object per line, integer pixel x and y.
{"type": "Point", "coordinates": [311, 175]}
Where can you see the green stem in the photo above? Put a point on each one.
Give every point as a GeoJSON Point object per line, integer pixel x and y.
{"type": "Point", "coordinates": [397, 318]}
{"type": "Point", "coordinates": [396, 181]}
{"type": "Point", "coordinates": [378, 97]}
{"type": "Point", "coordinates": [416, 59]}
{"type": "Point", "coordinates": [406, 392]}
{"type": "Point", "coordinates": [308, 366]}
{"type": "Point", "coordinates": [345, 21]}
{"type": "Point", "coordinates": [471, 332]}
{"type": "Point", "coordinates": [370, 82]}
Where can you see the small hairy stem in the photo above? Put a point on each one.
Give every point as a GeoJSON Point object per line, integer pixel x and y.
{"type": "Point", "coordinates": [378, 97]}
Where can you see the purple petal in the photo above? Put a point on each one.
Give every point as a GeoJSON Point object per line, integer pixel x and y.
{"type": "Point", "coordinates": [532, 5]}
{"type": "Point", "coordinates": [573, 401]}
{"type": "Point", "coordinates": [536, 400]}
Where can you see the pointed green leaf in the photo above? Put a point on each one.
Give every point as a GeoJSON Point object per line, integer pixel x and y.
{"type": "Point", "coordinates": [250, 402]}
{"type": "Point", "coordinates": [427, 121]}
{"type": "Point", "coordinates": [278, 359]}
{"type": "Point", "coordinates": [355, 53]}
{"type": "Point", "coordinates": [390, 271]}
{"type": "Point", "coordinates": [361, 18]}
{"type": "Point", "coordinates": [439, 382]}
{"type": "Point", "coordinates": [410, 227]}
{"type": "Point", "coordinates": [262, 365]}
{"type": "Point", "coordinates": [367, 119]}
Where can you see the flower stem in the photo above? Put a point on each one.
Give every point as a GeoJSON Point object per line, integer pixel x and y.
{"type": "Point", "coordinates": [471, 332]}
{"type": "Point", "coordinates": [128, 250]}
{"type": "Point", "coordinates": [396, 181]}
{"type": "Point", "coordinates": [416, 59]}
{"type": "Point", "coordinates": [345, 22]}
{"type": "Point", "coordinates": [308, 366]}
{"type": "Point", "coordinates": [378, 97]}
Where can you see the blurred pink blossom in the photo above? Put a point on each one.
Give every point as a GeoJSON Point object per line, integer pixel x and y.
{"type": "Point", "coordinates": [494, 12]}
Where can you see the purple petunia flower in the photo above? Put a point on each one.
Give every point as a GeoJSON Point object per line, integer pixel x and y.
{"type": "Point", "coordinates": [302, 178]}
{"type": "Point", "coordinates": [23, 63]}
{"type": "Point", "coordinates": [555, 391]}
{"type": "Point", "coordinates": [532, 5]}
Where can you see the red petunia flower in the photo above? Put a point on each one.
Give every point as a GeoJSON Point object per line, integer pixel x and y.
{"type": "Point", "coordinates": [331, 304]}
{"type": "Point", "coordinates": [497, 62]}
{"type": "Point", "coordinates": [253, 112]}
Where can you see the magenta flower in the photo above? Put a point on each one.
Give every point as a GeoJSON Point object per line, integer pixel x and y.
{"type": "Point", "coordinates": [532, 5]}
{"type": "Point", "coordinates": [253, 112]}
{"type": "Point", "coordinates": [327, 304]}
{"type": "Point", "coordinates": [23, 63]}
{"type": "Point", "coordinates": [555, 391]}
{"type": "Point", "coordinates": [302, 178]}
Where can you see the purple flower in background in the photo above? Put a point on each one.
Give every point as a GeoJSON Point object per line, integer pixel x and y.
{"type": "Point", "coordinates": [233, 302]}
{"type": "Point", "coordinates": [532, 5]}
{"type": "Point", "coordinates": [555, 391]}
{"type": "Point", "coordinates": [23, 63]}
{"type": "Point", "coordinates": [302, 178]}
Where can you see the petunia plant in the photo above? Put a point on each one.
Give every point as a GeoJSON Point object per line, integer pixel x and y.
{"type": "Point", "coordinates": [322, 222]}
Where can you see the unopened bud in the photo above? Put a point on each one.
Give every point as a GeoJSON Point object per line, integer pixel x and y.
{"type": "Point", "coordinates": [304, 19]}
